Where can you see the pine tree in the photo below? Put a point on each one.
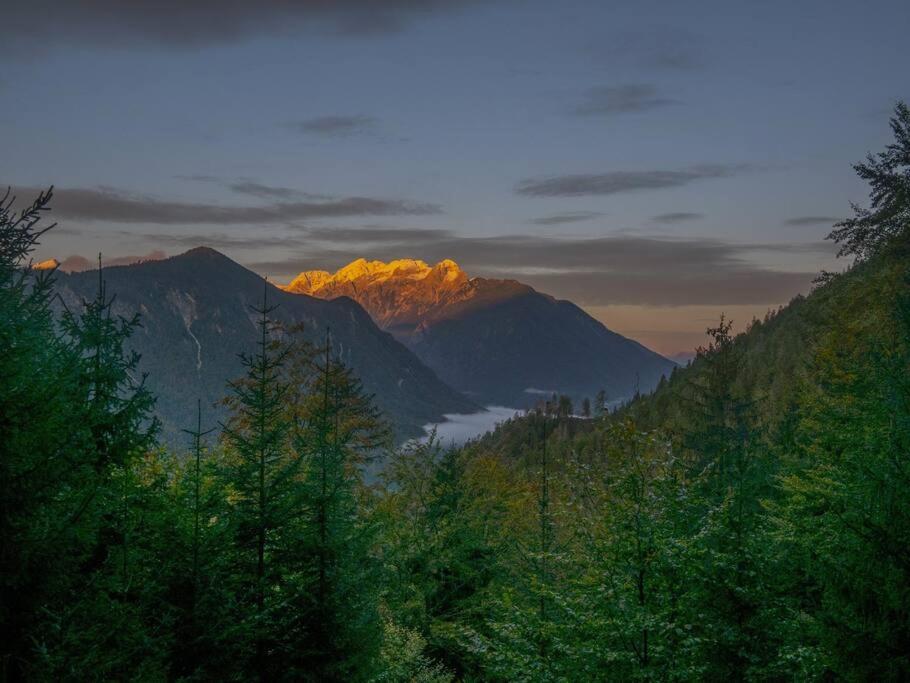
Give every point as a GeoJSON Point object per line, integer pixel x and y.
{"type": "Point", "coordinates": [600, 403]}
{"type": "Point", "coordinates": [730, 476]}
{"type": "Point", "coordinates": [887, 219]}
{"type": "Point", "coordinates": [443, 543]}
{"type": "Point", "coordinates": [336, 429]}
{"type": "Point", "coordinates": [75, 419]}
{"type": "Point", "coordinates": [257, 434]}
{"type": "Point", "coordinates": [192, 578]}
{"type": "Point", "coordinates": [198, 446]}
{"type": "Point", "coordinates": [544, 548]}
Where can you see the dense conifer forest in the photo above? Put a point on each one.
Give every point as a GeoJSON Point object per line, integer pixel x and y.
{"type": "Point", "coordinates": [749, 520]}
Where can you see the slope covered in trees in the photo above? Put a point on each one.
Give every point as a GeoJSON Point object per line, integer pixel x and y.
{"type": "Point", "coordinates": [196, 318]}
{"type": "Point", "coordinates": [748, 521]}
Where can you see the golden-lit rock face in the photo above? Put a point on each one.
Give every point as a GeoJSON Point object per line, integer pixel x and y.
{"type": "Point", "coordinates": [403, 295]}
{"type": "Point", "coordinates": [50, 264]}
{"type": "Point", "coordinates": [370, 273]}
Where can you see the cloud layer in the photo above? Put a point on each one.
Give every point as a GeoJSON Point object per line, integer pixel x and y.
{"type": "Point", "coordinates": [189, 24]}
{"type": "Point", "coordinates": [336, 126]}
{"type": "Point", "coordinates": [802, 221]}
{"type": "Point", "coordinates": [568, 217]}
{"type": "Point", "coordinates": [677, 217]}
{"type": "Point", "coordinates": [596, 271]}
{"type": "Point", "coordinates": [105, 205]}
{"type": "Point", "coordinates": [623, 99]}
{"type": "Point", "coordinates": [616, 182]}
{"type": "Point", "coordinates": [76, 263]}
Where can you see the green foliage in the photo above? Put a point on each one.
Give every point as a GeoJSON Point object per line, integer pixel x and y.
{"type": "Point", "coordinates": [750, 520]}
{"type": "Point", "coordinates": [74, 421]}
{"type": "Point", "coordinates": [844, 515]}
{"type": "Point", "coordinates": [402, 658]}
{"type": "Point", "coordinates": [888, 174]}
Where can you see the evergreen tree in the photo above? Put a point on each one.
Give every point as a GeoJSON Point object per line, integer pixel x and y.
{"type": "Point", "coordinates": [888, 216]}
{"type": "Point", "coordinates": [843, 522]}
{"type": "Point", "coordinates": [335, 430]}
{"type": "Point", "coordinates": [74, 421]}
{"type": "Point", "coordinates": [195, 497]}
{"type": "Point", "coordinates": [730, 479]}
{"type": "Point", "coordinates": [257, 434]}
{"type": "Point", "coordinates": [632, 531]}
{"type": "Point", "coordinates": [600, 403]}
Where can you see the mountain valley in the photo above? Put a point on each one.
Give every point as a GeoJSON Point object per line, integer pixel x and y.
{"type": "Point", "coordinates": [498, 341]}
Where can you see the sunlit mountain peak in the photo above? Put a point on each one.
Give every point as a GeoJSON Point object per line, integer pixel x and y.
{"type": "Point", "coordinates": [49, 264]}
{"type": "Point", "coordinates": [363, 272]}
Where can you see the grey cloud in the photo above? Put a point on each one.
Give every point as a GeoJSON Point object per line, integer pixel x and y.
{"type": "Point", "coordinates": [76, 263]}
{"type": "Point", "coordinates": [106, 205]}
{"type": "Point", "coordinates": [754, 285]}
{"type": "Point", "coordinates": [252, 188]}
{"type": "Point", "coordinates": [791, 247]}
{"type": "Point", "coordinates": [623, 99]}
{"type": "Point", "coordinates": [182, 24]}
{"type": "Point", "coordinates": [801, 221]}
{"type": "Point", "coordinates": [337, 126]}
{"type": "Point", "coordinates": [219, 241]}
{"type": "Point", "coordinates": [615, 182]}
{"type": "Point", "coordinates": [598, 271]}
{"type": "Point", "coordinates": [569, 217]}
{"type": "Point", "coordinates": [677, 217]}
{"type": "Point", "coordinates": [307, 238]}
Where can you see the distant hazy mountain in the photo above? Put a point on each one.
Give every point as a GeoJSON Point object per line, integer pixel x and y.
{"type": "Point", "coordinates": [499, 341]}
{"type": "Point", "coordinates": [683, 358]}
{"type": "Point", "coordinates": [197, 317]}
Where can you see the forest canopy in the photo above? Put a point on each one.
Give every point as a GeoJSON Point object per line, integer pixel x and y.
{"type": "Point", "coordinates": [749, 520]}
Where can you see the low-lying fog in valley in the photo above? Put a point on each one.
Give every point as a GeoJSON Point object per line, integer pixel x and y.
{"type": "Point", "coordinates": [459, 428]}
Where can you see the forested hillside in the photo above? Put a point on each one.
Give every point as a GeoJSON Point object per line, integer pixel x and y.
{"type": "Point", "coordinates": [196, 317]}
{"type": "Point", "coordinates": [750, 520]}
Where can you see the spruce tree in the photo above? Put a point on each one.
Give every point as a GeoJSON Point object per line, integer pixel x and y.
{"type": "Point", "coordinates": [886, 221]}
{"type": "Point", "coordinates": [196, 571]}
{"type": "Point", "coordinates": [75, 418]}
{"type": "Point", "coordinates": [730, 476]}
{"type": "Point", "coordinates": [336, 429]}
{"type": "Point", "coordinates": [257, 435]}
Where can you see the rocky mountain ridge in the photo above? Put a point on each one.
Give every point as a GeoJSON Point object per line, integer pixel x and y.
{"type": "Point", "coordinates": [197, 316]}
{"type": "Point", "coordinates": [499, 341]}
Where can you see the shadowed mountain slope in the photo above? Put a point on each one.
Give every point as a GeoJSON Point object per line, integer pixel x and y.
{"type": "Point", "coordinates": [498, 341]}
{"type": "Point", "coordinates": [197, 317]}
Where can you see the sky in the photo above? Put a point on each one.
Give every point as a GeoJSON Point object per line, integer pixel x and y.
{"type": "Point", "coordinates": [657, 163]}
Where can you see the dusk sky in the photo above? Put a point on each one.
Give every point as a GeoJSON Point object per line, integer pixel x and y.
{"type": "Point", "coordinates": [657, 163]}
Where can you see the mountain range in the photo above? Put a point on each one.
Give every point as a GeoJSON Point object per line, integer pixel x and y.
{"type": "Point", "coordinates": [500, 342]}
{"type": "Point", "coordinates": [426, 341]}
{"type": "Point", "coordinates": [196, 317]}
